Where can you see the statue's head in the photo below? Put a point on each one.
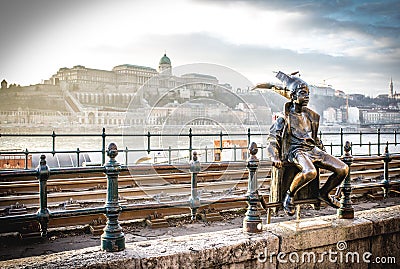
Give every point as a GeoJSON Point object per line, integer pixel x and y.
{"type": "Point", "coordinates": [294, 85]}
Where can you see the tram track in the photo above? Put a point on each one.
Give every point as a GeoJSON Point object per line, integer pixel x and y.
{"type": "Point", "coordinates": [163, 191]}
{"type": "Point", "coordinates": [163, 210]}
{"type": "Point", "coordinates": [155, 187]}
{"type": "Point", "coordinates": [135, 179]}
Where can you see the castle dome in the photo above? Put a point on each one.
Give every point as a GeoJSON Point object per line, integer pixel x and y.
{"type": "Point", "coordinates": [165, 60]}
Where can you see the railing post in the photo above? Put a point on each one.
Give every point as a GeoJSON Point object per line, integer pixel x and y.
{"type": "Point", "coordinates": [252, 220]}
{"type": "Point", "coordinates": [77, 157]}
{"type": "Point", "coordinates": [112, 239]}
{"type": "Point", "coordinates": [26, 158]}
{"type": "Point", "coordinates": [369, 148]}
{"type": "Point", "coordinates": [206, 150]}
{"type": "Point", "coordinates": [194, 200]}
{"type": "Point", "coordinates": [53, 135]}
{"type": "Point", "coordinates": [43, 214]}
{"type": "Point", "coordinates": [190, 143]}
{"type": "Point", "coordinates": [220, 141]}
{"type": "Point", "coordinates": [148, 142]}
{"type": "Point", "coordinates": [385, 181]}
{"type": "Point", "coordinates": [379, 142]}
{"type": "Point", "coordinates": [341, 141]}
{"type": "Point", "coordinates": [103, 146]}
{"type": "Point", "coordinates": [169, 155]}
{"type": "Point", "coordinates": [126, 155]}
{"type": "Point", "coordinates": [248, 137]}
{"type": "Point", "coordinates": [346, 210]}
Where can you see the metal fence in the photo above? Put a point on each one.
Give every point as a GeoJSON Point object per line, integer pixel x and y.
{"type": "Point", "coordinates": [113, 238]}
{"type": "Point", "coordinates": [369, 143]}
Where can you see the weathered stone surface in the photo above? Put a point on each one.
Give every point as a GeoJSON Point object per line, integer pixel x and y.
{"type": "Point", "coordinates": [230, 249]}
{"type": "Point", "coordinates": [339, 230]}
{"type": "Point", "coordinates": [382, 219]}
{"type": "Point", "coordinates": [374, 231]}
{"type": "Point", "coordinates": [385, 242]}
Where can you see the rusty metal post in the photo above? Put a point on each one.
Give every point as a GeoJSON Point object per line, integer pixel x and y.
{"type": "Point", "coordinates": [346, 210]}
{"type": "Point", "coordinates": [194, 200]}
{"type": "Point", "coordinates": [252, 222]}
{"type": "Point", "coordinates": [43, 214]}
{"type": "Point", "coordinates": [112, 239]}
{"type": "Point", "coordinates": [385, 181]}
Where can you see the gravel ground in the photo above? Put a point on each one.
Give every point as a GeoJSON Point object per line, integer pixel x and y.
{"type": "Point", "coordinates": [12, 247]}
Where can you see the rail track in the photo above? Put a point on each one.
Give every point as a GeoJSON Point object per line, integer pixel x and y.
{"type": "Point", "coordinates": [135, 186]}
{"type": "Point", "coordinates": [164, 210]}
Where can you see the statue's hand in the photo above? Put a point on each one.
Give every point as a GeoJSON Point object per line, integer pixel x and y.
{"type": "Point", "coordinates": [277, 163]}
{"type": "Point", "coordinates": [319, 144]}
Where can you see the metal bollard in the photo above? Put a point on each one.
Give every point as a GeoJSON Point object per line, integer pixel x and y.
{"type": "Point", "coordinates": [43, 213]}
{"type": "Point", "coordinates": [346, 210]}
{"type": "Point", "coordinates": [385, 181]}
{"type": "Point", "coordinates": [252, 220]}
{"type": "Point", "coordinates": [194, 200]}
{"type": "Point", "coordinates": [112, 239]}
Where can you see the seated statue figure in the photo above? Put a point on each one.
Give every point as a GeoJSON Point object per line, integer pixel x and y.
{"type": "Point", "coordinates": [293, 138]}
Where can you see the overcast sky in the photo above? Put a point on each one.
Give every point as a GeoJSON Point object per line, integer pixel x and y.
{"type": "Point", "coordinates": [352, 45]}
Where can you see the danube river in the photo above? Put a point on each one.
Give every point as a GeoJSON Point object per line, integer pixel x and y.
{"type": "Point", "coordinates": [166, 146]}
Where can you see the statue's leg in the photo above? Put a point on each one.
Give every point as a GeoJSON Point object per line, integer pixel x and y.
{"type": "Point", "coordinates": [307, 174]}
{"type": "Point", "coordinates": [339, 170]}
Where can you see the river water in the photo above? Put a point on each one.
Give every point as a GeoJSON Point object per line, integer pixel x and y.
{"type": "Point", "coordinates": [166, 147]}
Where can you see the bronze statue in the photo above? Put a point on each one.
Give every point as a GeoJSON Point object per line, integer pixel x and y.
{"type": "Point", "coordinates": [293, 138]}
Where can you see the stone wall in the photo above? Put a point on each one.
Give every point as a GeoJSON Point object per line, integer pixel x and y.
{"type": "Point", "coordinates": [326, 242]}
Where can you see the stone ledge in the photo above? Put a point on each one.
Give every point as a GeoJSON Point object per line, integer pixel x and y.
{"type": "Point", "coordinates": [233, 248]}
{"type": "Point", "coordinates": [195, 251]}
{"type": "Point", "coordinates": [383, 219]}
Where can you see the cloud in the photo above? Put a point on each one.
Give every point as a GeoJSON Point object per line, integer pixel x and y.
{"type": "Point", "coordinates": [348, 40]}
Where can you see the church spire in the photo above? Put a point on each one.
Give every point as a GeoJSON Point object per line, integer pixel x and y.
{"type": "Point", "coordinates": [391, 87]}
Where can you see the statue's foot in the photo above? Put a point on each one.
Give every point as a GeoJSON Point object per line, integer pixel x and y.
{"type": "Point", "coordinates": [330, 200]}
{"type": "Point", "coordinates": [288, 205]}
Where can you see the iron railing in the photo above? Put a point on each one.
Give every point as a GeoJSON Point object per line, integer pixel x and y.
{"type": "Point", "coordinates": [113, 239]}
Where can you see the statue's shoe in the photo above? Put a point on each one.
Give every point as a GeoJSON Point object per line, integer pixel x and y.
{"type": "Point", "coordinates": [330, 200]}
{"type": "Point", "coordinates": [288, 205]}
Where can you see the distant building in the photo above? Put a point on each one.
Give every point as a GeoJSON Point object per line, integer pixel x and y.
{"type": "Point", "coordinates": [392, 94]}
{"type": "Point", "coordinates": [379, 116]}
{"type": "Point", "coordinates": [329, 116]}
{"type": "Point", "coordinates": [83, 78]}
{"type": "Point", "coordinates": [322, 90]}
{"type": "Point", "coordinates": [356, 96]}
{"type": "Point", "coordinates": [382, 96]}
{"type": "Point", "coordinates": [350, 115]}
{"type": "Point", "coordinates": [339, 93]}
{"type": "Point", "coordinates": [3, 84]}
{"type": "Point", "coordinates": [353, 115]}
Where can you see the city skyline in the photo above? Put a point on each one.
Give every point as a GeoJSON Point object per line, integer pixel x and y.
{"type": "Point", "coordinates": [353, 46]}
